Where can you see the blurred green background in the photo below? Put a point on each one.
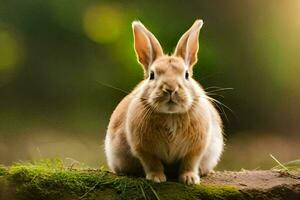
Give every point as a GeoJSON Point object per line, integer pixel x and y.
{"type": "Point", "coordinates": [58, 56]}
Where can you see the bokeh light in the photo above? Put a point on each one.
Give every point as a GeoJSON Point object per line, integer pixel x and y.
{"type": "Point", "coordinates": [9, 50]}
{"type": "Point", "coordinates": [58, 59]}
{"type": "Point", "coordinates": [103, 23]}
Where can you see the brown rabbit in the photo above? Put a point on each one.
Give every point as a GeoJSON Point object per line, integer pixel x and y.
{"type": "Point", "coordinates": [167, 118]}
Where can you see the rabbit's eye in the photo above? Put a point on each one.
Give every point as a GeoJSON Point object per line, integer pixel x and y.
{"type": "Point", "coordinates": [151, 75]}
{"type": "Point", "coordinates": [187, 75]}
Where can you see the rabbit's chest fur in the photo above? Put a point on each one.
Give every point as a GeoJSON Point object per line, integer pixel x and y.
{"type": "Point", "coordinates": [169, 143]}
{"type": "Point", "coordinates": [168, 136]}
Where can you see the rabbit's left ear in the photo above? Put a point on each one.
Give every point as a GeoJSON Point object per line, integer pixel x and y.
{"type": "Point", "coordinates": [188, 45]}
{"type": "Point", "coordinates": [146, 46]}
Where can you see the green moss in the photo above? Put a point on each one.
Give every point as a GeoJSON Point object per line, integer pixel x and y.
{"type": "Point", "coordinates": [218, 192]}
{"type": "Point", "coordinates": [3, 170]}
{"type": "Point", "coordinates": [49, 179]}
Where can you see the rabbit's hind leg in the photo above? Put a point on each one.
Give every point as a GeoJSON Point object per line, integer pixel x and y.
{"type": "Point", "coordinates": [119, 157]}
{"type": "Point", "coordinates": [211, 156]}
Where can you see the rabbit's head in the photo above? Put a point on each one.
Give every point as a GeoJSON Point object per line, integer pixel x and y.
{"type": "Point", "coordinates": [168, 86]}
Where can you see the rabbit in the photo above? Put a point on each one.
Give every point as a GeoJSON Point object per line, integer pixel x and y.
{"type": "Point", "coordinates": [167, 118]}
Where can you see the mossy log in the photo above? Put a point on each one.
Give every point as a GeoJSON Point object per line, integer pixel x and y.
{"type": "Point", "coordinates": [52, 180]}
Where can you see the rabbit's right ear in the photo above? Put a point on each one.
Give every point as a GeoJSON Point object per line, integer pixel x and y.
{"type": "Point", "coordinates": [146, 46]}
{"type": "Point", "coordinates": [188, 45]}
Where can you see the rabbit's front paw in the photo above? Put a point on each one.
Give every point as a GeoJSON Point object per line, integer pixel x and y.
{"type": "Point", "coordinates": [189, 178]}
{"type": "Point", "coordinates": [157, 177]}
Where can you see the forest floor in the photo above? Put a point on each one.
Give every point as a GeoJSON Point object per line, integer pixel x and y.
{"type": "Point", "coordinates": [50, 179]}
{"type": "Point", "coordinates": [263, 179]}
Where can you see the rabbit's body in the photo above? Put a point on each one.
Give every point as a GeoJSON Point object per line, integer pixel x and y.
{"type": "Point", "coordinates": [163, 121]}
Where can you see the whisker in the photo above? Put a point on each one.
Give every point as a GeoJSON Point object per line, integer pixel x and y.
{"type": "Point", "coordinates": [145, 118]}
{"type": "Point", "coordinates": [214, 94]}
{"type": "Point", "coordinates": [219, 106]}
{"type": "Point", "coordinates": [148, 110]}
{"type": "Point", "coordinates": [119, 89]}
{"type": "Point", "coordinates": [220, 89]}
{"type": "Point", "coordinates": [224, 112]}
{"type": "Point", "coordinates": [212, 91]}
{"type": "Point", "coordinates": [113, 87]}
{"type": "Point", "coordinates": [217, 103]}
{"type": "Point", "coordinates": [213, 87]}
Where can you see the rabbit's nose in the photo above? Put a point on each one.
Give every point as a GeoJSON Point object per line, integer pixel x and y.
{"type": "Point", "coordinates": [169, 87]}
{"type": "Point", "coordinates": [169, 91]}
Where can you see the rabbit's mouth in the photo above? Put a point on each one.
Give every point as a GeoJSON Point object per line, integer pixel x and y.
{"type": "Point", "coordinates": [171, 106]}
{"type": "Point", "coordinates": [171, 102]}
{"type": "Point", "coordinates": [166, 103]}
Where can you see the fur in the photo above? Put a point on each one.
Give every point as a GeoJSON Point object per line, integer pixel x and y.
{"type": "Point", "coordinates": [166, 119]}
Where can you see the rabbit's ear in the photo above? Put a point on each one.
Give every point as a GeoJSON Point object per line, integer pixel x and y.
{"type": "Point", "coordinates": [146, 46]}
{"type": "Point", "coordinates": [188, 45]}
